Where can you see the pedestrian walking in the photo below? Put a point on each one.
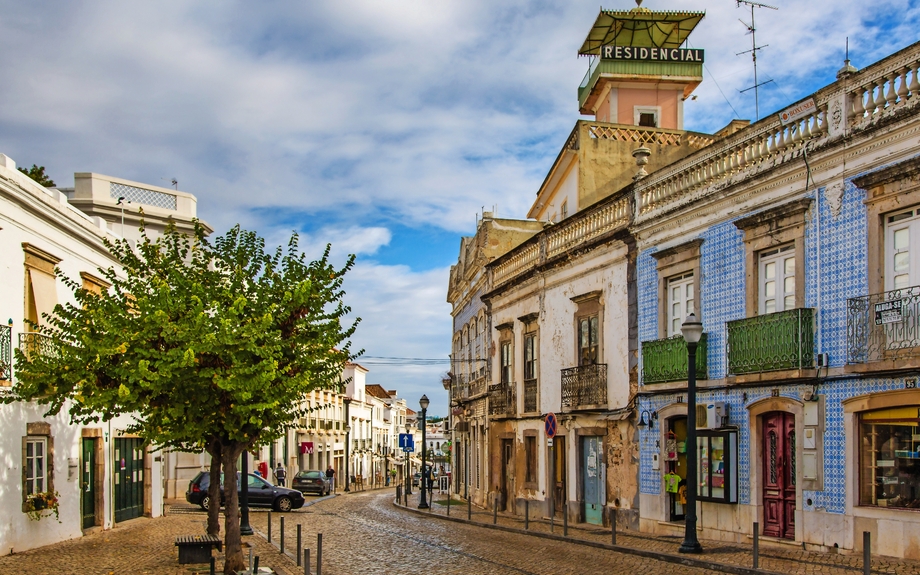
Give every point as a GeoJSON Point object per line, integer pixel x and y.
{"type": "Point", "coordinates": [280, 475]}
{"type": "Point", "coordinates": [330, 476]}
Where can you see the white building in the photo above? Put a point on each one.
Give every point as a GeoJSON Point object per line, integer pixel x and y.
{"type": "Point", "coordinates": [102, 475]}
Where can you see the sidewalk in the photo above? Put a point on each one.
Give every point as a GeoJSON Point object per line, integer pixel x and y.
{"type": "Point", "coordinates": [778, 558]}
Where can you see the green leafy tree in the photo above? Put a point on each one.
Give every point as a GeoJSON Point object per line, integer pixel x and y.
{"type": "Point", "coordinates": [207, 345]}
{"type": "Point", "coordinates": [38, 174]}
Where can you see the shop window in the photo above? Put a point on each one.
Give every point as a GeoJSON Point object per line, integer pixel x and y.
{"type": "Point", "coordinates": [889, 454]}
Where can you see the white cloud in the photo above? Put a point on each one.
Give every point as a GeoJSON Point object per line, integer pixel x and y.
{"type": "Point", "coordinates": [425, 111]}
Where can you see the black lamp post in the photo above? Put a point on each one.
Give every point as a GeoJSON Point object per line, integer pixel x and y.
{"type": "Point", "coordinates": [347, 401]}
{"type": "Point", "coordinates": [423, 504]}
{"type": "Point", "coordinates": [245, 528]}
{"type": "Point", "coordinates": [692, 331]}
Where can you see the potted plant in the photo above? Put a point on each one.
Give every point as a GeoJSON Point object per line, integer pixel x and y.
{"type": "Point", "coordinates": [38, 503]}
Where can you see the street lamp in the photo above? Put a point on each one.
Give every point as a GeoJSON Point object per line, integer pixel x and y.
{"type": "Point", "coordinates": [423, 402]}
{"type": "Point", "coordinates": [692, 331]}
{"type": "Point", "coordinates": [347, 401]}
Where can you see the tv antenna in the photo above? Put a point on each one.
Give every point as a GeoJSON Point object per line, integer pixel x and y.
{"type": "Point", "coordinates": [754, 48]}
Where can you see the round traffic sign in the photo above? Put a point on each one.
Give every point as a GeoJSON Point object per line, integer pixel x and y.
{"type": "Point", "coordinates": [549, 424]}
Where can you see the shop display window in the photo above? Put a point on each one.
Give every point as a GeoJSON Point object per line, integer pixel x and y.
{"type": "Point", "coordinates": [890, 458]}
{"type": "Point", "coordinates": [717, 466]}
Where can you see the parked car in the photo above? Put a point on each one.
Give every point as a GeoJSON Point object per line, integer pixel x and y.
{"type": "Point", "coordinates": [416, 478]}
{"type": "Point", "coordinates": [261, 493]}
{"type": "Point", "coordinates": [312, 481]}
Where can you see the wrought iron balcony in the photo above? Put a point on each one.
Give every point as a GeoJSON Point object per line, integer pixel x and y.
{"type": "Point", "coordinates": [666, 360]}
{"type": "Point", "coordinates": [884, 326]}
{"type": "Point", "coordinates": [502, 399]}
{"type": "Point", "coordinates": [584, 386]}
{"type": "Point", "coordinates": [6, 352]}
{"type": "Point", "coordinates": [33, 344]}
{"type": "Point", "coordinates": [771, 342]}
{"type": "Point", "coordinates": [530, 395]}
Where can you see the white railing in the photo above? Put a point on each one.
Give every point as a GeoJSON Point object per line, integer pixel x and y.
{"type": "Point", "coordinates": [879, 90]}
{"type": "Point", "coordinates": [573, 232]}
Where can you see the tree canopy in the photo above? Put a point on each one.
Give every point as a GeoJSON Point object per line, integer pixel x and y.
{"type": "Point", "coordinates": [38, 174]}
{"type": "Point", "coordinates": [207, 345]}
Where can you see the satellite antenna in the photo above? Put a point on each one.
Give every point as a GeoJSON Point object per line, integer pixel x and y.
{"type": "Point", "coordinates": [754, 48]}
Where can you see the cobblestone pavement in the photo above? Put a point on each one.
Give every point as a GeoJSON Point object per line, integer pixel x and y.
{"type": "Point", "coordinates": [366, 533]}
{"type": "Point", "coordinates": [774, 557]}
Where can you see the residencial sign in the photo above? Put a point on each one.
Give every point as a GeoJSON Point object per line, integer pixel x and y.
{"type": "Point", "coordinates": [651, 54]}
{"type": "Point", "coordinates": [889, 311]}
{"type": "Point", "coordinates": [797, 112]}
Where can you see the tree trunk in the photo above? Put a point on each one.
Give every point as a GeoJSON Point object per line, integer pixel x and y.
{"type": "Point", "coordinates": [233, 548]}
{"type": "Point", "coordinates": [213, 449]}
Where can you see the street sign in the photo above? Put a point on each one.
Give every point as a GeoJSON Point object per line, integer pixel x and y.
{"type": "Point", "coordinates": [410, 449]}
{"type": "Point", "coordinates": [549, 424]}
{"type": "Point", "coordinates": [406, 440]}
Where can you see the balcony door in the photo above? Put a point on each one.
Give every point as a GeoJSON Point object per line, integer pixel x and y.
{"type": "Point", "coordinates": [680, 302]}
{"type": "Point", "coordinates": [902, 276]}
{"type": "Point", "coordinates": [593, 474]}
{"type": "Point", "coordinates": [777, 280]}
{"type": "Point", "coordinates": [779, 474]}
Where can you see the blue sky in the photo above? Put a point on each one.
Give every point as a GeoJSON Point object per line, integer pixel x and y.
{"type": "Point", "coordinates": [382, 127]}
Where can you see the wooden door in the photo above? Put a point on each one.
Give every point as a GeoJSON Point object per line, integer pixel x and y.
{"type": "Point", "coordinates": [779, 474]}
{"type": "Point", "coordinates": [88, 483]}
{"type": "Point", "coordinates": [507, 483]}
{"type": "Point", "coordinates": [129, 478]}
{"type": "Point", "coordinates": [559, 496]}
{"type": "Point", "coordinates": [593, 475]}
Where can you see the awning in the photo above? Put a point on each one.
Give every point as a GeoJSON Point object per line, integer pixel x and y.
{"type": "Point", "coordinates": [640, 27]}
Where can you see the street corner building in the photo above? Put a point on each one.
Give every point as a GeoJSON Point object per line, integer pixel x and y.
{"type": "Point", "coordinates": [795, 240]}
{"type": "Point", "coordinates": [98, 474]}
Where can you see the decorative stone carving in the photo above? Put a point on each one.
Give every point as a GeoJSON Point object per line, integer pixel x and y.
{"type": "Point", "coordinates": [833, 195]}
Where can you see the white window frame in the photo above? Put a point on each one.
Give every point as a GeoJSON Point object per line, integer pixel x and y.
{"type": "Point", "coordinates": [910, 221]}
{"type": "Point", "coordinates": [678, 309]}
{"type": "Point", "coordinates": [36, 482]}
{"type": "Point", "coordinates": [654, 110]}
{"type": "Point", "coordinates": [564, 210]}
{"type": "Point", "coordinates": [778, 257]}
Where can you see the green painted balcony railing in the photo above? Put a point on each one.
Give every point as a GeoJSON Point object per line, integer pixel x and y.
{"type": "Point", "coordinates": [771, 342]}
{"type": "Point", "coordinates": [666, 360]}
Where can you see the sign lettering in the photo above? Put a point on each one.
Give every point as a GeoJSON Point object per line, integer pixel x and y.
{"type": "Point", "coordinates": [651, 54]}
{"type": "Point", "coordinates": [889, 311]}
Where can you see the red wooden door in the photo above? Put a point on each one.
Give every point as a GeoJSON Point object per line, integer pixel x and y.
{"type": "Point", "coordinates": [779, 475]}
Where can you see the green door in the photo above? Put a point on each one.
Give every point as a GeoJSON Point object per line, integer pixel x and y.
{"type": "Point", "coordinates": [594, 491]}
{"type": "Point", "coordinates": [88, 482]}
{"type": "Point", "coordinates": [129, 478]}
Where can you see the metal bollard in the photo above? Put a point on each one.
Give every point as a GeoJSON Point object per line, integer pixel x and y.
{"type": "Point", "coordinates": [319, 554]}
{"type": "Point", "coordinates": [565, 520]}
{"type": "Point", "coordinates": [552, 523]}
{"type": "Point", "coordinates": [281, 547]}
{"type": "Point", "coordinates": [299, 544]}
{"type": "Point", "coordinates": [526, 514]}
{"type": "Point", "coordinates": [306, 561]}
{"type": "Point", "coordinates": [494, 510]}
{"type": "Point", "coordinates": [867, 553]}
{"type": "Point", "coordinates": [448, 503]}
{"type": "Point", "coordinates": [212, 566]}
{"type": "Point", "coordinates": [756, 545]}
{"type": "Point", "coordinates": [255, 565]}
{"type": "Point", "coordinates": [613, 525]}
{"type": "Point", "coordinates": [269, 526]}
{"type": "Point", "coordinates": [469, 508]}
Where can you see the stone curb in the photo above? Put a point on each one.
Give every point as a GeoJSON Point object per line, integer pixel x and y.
{"type": "Point", "coordinates": [666, 557]}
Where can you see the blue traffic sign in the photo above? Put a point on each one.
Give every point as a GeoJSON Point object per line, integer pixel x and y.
{"type": "Point", "coordinates": [406, 440]}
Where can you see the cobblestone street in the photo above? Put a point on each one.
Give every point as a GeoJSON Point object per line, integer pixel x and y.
{"type": "Point", "coordinates": [365, 533]}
